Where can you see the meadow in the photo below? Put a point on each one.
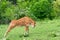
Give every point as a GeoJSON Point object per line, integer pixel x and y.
{"type": "Point", "coordinates": [44, 30]}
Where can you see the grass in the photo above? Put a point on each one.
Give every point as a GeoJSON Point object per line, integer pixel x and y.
{"type": "Point", "coordinates": [44, 30]}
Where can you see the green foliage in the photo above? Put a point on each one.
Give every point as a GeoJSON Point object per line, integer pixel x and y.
{"type": "Point", "coordinates": [36, 9]}
{"type": "Point", "coordinates": [40, 9]}
{"type": "Point", "coordinates": [44, 30]}
{"type": "Point", "coordinates": [56, 7]}
{"type": "Point", "coordinates": [3, 6]}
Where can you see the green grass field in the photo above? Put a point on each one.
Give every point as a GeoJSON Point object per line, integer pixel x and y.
{"type": "Point", "coordinates": [44, 30]}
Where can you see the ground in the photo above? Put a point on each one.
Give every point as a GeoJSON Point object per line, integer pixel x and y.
{"type": "Point", "coordinates": [44, 30]}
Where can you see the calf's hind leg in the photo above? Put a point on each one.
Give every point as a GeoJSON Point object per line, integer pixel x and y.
{"type": "Point", "coordinates": [9, 29]}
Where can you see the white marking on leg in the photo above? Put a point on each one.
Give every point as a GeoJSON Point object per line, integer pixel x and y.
{"type": "Point", "coordinates": [26, 33]}
{"type": "Point", "coordinates": [4, 39]}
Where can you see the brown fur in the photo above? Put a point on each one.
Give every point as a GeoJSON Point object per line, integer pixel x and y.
{"type": "Point", "coordinates": [25, 21]}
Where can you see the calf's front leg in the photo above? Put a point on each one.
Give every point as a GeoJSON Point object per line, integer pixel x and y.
{"type": "Point", "coordinates": [26, 31]}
